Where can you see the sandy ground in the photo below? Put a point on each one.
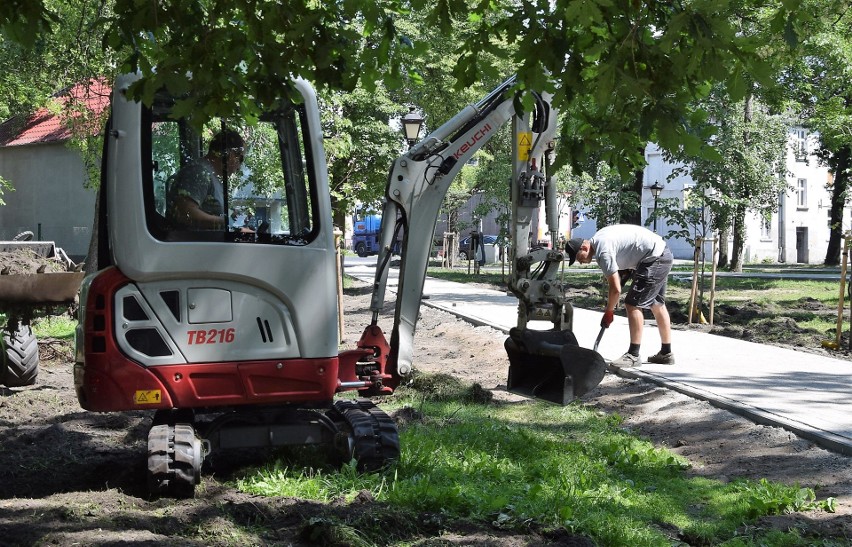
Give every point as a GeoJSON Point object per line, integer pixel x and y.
{"type": "Point", "coordinates": [72, 477]}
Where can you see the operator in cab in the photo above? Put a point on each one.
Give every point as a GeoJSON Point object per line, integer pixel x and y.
{"type": "Point", "coordinates": [197, 199]}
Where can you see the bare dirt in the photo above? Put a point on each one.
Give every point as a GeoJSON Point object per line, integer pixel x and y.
{"type": "Point", "coordinates": [68, 476]}
{"type": "Point", "coordinates": [26, 261]}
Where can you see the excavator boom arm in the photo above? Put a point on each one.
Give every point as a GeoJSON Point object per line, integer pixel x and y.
{"type": "Point", "coordinates": [418, 183]}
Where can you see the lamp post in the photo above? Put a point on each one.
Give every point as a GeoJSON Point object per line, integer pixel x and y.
{"type": "Point", "coordinates": [411, 124]}
{"type": "Point", "coordinates": [655, 189]}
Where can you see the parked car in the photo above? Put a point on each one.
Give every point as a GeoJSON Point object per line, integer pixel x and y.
{"type": "Point", "coordinates": [464, 245]}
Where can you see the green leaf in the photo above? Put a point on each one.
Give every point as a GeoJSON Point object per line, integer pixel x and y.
{"type": "Point", "coordinates": [737, 86]}
{"type": "Point", "coordinates": [791, 36]}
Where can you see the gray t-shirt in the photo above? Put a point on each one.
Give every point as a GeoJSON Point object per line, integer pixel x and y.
{"type": "Point", "coordinates": [624, 246]}
{"type": "Point", "coordinates": [202, 185]}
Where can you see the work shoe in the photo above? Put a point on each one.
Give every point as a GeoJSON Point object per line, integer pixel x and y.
{"type": "Point", "coordinates": [662, 359]}
{"type": "Point", "coordinates": [626, 360]}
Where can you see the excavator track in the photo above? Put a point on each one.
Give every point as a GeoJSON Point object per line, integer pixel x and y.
{"type": "Point", "coordinates": [373, 436]}
{"type": "Point", "coordinates": [174, 460]}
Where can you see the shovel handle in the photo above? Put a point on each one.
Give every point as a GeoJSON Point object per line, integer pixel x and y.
{"type": "Point", "coordinates": [598, 339]}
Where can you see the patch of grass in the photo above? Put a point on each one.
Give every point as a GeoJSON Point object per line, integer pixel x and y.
{"type": "Point", "coordinates": [461, 276]}
{"type": "Point", "coordinates": [444, 387]}
{"type": "Point", "coordinates": [532, 464]}
{"type": "Point", "coordinates": [752, 536]}
{"type": "Point", "coordinates": [795, 312]}
{"type": "Point", "coordinates": [785, 292]}
{"type": "Point", "coordinates": [82, 512]}
{"type": "Point", "coordinates": [330, 531]}
{"type": "Point", "coordinates": [348, 281]}
{"type": "Point", "coordinates": [54, 326]}
{"type": "Point", "coordinates": [222, 530]}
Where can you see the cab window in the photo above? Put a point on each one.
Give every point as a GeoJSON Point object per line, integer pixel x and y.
{"type": "Point", "coordinates": [229, 181]}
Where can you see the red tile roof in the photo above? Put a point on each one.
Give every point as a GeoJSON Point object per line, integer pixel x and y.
{"type": "Point", "coordinates": [43, 126]}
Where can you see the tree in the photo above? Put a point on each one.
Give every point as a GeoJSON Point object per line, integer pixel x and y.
{"type": "Point", "coordinates": [40, 57]}
{"type": "Point", "coordinates": [432, 88]}
{"type": "Point", "coordinates": [605, 194]}
{"type": "Point", "coordinates": [633, 68]}
{"type": "Point", "coordinates": [360, 144]}
{"type": "Point", "coordinates": [748, 175]}
{"type": "Point", "coordinates": [629, 72]}
{"type": "Point", "coordinates": [823, 89]}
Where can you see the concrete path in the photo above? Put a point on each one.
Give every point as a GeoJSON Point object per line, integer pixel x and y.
{"type": "Point", "coordinates": [805, 393]}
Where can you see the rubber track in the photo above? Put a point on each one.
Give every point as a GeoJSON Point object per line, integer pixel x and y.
{"type": "Point", "coordinates": [19, 366]}
{"type": "Point", "coordinates": [374, 434]}
{"type": "Point", "coordinates": [170, 460]}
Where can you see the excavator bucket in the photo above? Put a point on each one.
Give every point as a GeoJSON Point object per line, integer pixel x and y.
{"type": "Point", "coordinates": [550, 365]}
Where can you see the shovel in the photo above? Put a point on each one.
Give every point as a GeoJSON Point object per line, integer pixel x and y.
{"type": "Point", "coordinates": [598, 339]}
{"type": "Point", "coordinates": [550, 365]}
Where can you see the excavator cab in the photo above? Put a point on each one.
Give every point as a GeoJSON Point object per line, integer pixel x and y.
{"type": "Point", "coordinates": [201, 312]}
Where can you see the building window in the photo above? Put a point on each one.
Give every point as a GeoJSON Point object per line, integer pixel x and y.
{"type": "Point", "coordinates": [802, 193]}
{"type": "Point", "coordinates": [800, 144]}
{"type": "Point", "coordinates": [766, 228]}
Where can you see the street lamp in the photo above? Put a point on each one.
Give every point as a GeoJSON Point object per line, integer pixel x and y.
{"type": "Point", "coordinates": [655, 189]}
{"type": "Point", "coordinates": [411, 124]}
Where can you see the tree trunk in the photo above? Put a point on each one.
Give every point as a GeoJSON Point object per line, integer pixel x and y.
{"type": "Point", "coordinates": [739, 239]}
{"type": "Point", "coordinates": [724, 251]}
{"type": "Point", "coordinates": [453, 220]}
{"type": "Point", "coordinates": [338, 216]}
{"type": "Point", "coordinates": [839, 164]}
{"type": "Point", "coordinates": [635, 216]}
{"type": "Point", "coordinates": [91, 265]}
{"type": "Point", "coordinates": [339, 219]}
{"type": "Point", "coordinates": [739, 211]}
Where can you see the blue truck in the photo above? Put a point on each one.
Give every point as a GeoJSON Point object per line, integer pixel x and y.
{"type": "Point", "coordinates": [365, 234]}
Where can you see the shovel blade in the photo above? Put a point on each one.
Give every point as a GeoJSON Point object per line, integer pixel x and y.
{"type": "Point", "coordinates": [550, 365]}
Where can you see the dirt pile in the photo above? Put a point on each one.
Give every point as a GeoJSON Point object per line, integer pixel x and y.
{"type": "Point", "coordinates": [25, 261]}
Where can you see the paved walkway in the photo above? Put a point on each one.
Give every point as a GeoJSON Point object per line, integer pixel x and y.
{"type": "Point", "coordinates": [805, 393]}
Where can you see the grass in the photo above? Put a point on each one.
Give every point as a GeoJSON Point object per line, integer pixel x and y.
{"type": "Point", "coordinates": [50, 326]}
{"type": "Point", "coordinates": [769, 298]}
{"type": "Point", "coordinates": [55, 326]}
{"type": "Point", "coordinates": [728, 289]}
{"type": "Point", "coordinates": [532, 465]}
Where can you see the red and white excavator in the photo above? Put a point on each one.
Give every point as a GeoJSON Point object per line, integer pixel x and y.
{"type": "Point", "coordinates": [230, 336]}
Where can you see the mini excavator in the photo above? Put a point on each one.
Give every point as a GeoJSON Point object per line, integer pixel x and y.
{"type": "Point", "coordinates": [229, 335]}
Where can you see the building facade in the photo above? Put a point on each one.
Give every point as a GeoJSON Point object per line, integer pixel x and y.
{"type": "Point", "coordinates": [797, 233]}
{"type": "Point", "coordinates": [49, 198]}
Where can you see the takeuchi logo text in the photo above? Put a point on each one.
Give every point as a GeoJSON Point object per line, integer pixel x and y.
{"type": "Point", "coordinates": [475, 138]}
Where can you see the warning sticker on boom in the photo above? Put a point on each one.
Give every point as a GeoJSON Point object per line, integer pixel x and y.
{"type": "Point", "coordinates": [147, 397]}
{"type": "Point", "coordinates": [524, 145]}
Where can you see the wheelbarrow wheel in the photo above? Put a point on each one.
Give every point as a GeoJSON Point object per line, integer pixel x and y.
{"type": "Point", "coordinates": [24, 236]}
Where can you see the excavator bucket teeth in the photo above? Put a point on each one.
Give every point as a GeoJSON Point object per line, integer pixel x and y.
{"type": "Point", "coordinates": [550, 365]}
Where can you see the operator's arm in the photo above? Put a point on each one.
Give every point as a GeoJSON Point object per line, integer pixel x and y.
{"type": "Point", "coordinates": [189, 213]}
{"type": "Point", "coordinates": [614, 292]}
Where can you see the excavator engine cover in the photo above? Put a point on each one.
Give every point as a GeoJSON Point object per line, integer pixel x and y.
{"type": "Point", "coordinates": [550, 365]}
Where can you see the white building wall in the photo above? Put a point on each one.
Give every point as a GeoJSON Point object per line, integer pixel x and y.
{"type": "Point", "coordinates": [659, 170]}
{"type": "Point", "coordinates": [49, 197]}
{"type": "Point", "coordinates": [804, 219]}
{"type": "Point", "coordinates": [798, 232]}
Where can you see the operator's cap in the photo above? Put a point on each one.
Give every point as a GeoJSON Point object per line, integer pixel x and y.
{"type": "Point", "coordinates": [572, 246]}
